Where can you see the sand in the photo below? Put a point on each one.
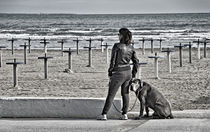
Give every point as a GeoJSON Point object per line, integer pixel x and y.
{"type": "Point", "coordinates": [186, 87]}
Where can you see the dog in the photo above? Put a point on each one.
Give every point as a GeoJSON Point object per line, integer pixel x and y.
{"type": "Point", "coordinates": [150, 97]}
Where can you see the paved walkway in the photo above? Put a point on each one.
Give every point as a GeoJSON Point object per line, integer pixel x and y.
{"type": "Point", "coordinates": [185, 121]}
{"type": "Point", "coordinates": [81, 125]}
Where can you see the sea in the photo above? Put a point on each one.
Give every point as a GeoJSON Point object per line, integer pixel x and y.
{"type": "Point", "coordinates": [172, 28]}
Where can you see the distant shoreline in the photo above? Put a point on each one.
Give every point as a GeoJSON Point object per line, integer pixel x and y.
{"type": "Point", "coordinates": [163, 13]}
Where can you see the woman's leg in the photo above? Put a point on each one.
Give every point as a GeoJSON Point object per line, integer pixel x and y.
{"type": "Point", "coordinates": [114, 85]}
{"type": "Point", "coordinates": [125, 91]}
{"type": "Point", "coordinates": [125, 96]}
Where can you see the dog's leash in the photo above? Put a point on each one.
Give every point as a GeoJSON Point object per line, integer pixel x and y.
{"type": "Point", "coordinates": [131, 107]}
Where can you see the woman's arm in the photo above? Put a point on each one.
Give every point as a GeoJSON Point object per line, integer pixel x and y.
{"type": "Point", "coordinates": [135, 64]}
{"type": "Point", "coordinates": [113, 59]}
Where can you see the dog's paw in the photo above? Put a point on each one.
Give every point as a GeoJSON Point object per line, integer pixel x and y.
{"type": "Point", "coordinates": [138, 118]}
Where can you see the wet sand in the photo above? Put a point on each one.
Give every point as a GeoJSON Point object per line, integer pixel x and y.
{"type": "Point", "coordinates": [186, 87]}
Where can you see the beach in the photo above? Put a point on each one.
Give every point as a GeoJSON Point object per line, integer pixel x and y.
{"type": "Point", "coordinates": [187, 87]}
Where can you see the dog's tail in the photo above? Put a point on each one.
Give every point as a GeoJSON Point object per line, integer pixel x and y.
{"type": "Point", "coordinates": [170, 116]}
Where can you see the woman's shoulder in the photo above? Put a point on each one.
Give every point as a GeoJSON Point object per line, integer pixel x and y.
{"type": "Point", "coordinates": [120, 45]}
{"type": "Point", "coordinates": [116, 45]}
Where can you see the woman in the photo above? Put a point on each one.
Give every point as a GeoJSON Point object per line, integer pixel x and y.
{"type": "Point", "coordinates": [120, 72]}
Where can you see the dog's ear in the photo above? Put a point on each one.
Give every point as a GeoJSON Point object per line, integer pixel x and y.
{"type": "Point", "coordinates": [140, 83]}
{"type": "Point", "coordinates": [138, 80]}
{"type": "Point", "coordinates": [133, 80]}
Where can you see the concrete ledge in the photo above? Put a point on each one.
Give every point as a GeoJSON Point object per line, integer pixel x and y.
{"type": "Point", "coordinates": [192, 114]}
{"type": "Point", "coordinates": [200, 114]}
{"type": "Point", "coordinates": [51, 107]}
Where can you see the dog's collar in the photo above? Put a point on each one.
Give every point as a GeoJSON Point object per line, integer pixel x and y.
{"type": "Point", "coordinates": [140, 89]}
{"type": "Point", "coordinates": [142, 84]}
{"type": "Point", "coordinates": [138, 92]}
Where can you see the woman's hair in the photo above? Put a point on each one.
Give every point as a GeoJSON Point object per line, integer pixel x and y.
{"type": "Point", "coordinates": [126, 36]}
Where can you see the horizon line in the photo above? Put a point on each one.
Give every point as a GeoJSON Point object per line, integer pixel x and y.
{"type": "Point", "coordinates": [108, 13]}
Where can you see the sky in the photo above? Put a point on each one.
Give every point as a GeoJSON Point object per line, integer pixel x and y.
{"type": "Point", "coordinates": [105, 6]}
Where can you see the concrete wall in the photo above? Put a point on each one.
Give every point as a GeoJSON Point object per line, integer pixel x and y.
{"type": "Point", "coordinates": [52, 107]}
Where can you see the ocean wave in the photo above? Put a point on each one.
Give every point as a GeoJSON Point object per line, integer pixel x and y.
{"type": "Point", "coordinates": [63, 30]}
{"type": "Point", "coordinates": [79, 31]}
{"type": "Point", "coordinates": [59, 24]}
{"type": "Point", "coordinates": [110, 30]}
{"type": "Point", "coordinates": [101, 32]}
{"type": "Point", "coordinates": [145, 28]}
{"type": "Point", "coordinates": [146, 33]}
{"type": "Point", "coordinates": [13, 30]}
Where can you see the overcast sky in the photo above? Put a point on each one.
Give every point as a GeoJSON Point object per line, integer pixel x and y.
{"type": "Point", "coordinates": [104, 6]}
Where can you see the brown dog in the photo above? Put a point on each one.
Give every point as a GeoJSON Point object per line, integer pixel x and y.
{"type": "Point", "coordinates": [150, 97]}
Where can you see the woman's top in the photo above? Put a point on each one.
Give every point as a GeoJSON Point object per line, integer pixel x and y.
{"type": "Point", "coordinates": [121, 56]}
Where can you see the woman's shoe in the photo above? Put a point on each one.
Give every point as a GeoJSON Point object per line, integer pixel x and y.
{"type": "Point", "coordinates": [124, 117]}
{"type": "Point", "coordinates": [102, 117]}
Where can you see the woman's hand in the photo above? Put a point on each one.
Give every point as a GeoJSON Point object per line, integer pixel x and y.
{"type": "Point", "coordinates": [109, 74]}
